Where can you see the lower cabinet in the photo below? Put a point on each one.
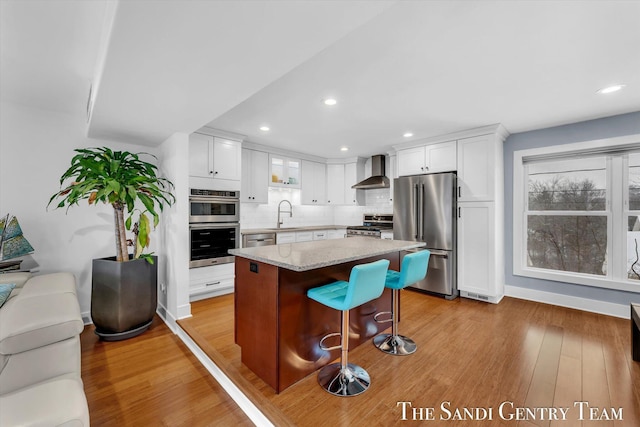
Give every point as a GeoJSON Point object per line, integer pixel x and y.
{"type": "Point", "coordinates": [286, 237]}
{"type": "Point", "coordinates": [207, 282]}
{"type": "Point", "coordinates": [480, 265]}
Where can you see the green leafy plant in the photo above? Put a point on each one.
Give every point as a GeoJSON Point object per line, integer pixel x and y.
{"type": "Point", "coordinates": [118, 178]}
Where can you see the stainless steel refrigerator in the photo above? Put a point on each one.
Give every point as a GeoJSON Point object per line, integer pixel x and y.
{"type": "Point", "coordinates": [424, 210]}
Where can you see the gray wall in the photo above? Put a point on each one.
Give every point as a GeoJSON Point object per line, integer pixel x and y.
{"type": "Point", "coordinates": [625, 124]}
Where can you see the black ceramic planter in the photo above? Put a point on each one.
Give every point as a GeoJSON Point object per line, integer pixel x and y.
{"type": "Point", "coordinates": [124, 297]}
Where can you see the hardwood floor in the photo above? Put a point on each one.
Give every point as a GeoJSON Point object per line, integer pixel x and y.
{"type": "Point", "coordinates": [152, 380]}
{"type": "Point", "coordinates": [471, 354]}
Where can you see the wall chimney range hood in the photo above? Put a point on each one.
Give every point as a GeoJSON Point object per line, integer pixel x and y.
{"type": "Point", "coordinates": [377, 178]}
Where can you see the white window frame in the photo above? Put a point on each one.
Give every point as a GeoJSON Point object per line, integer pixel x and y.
{"type": "Point", "coordinates": [616, 197]}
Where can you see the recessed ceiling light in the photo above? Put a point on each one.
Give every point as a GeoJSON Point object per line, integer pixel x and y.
{"type": "Point", "coordinates": [407, 135]}
{"type": "Point", "coordinates": [330, 101]}
{"type": "Point", "coordinates": [344, 148]}
{"type": "Point", "coordinates": [264, 128]}
{"type": "Point", "coordinates": [611, 89]}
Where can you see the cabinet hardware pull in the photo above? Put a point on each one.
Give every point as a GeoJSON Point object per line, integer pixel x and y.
{"type": "Point", "coordinates": [214, 283]}
{"type": "Point", "coordinates": [205, 246]}
{"type": "Point", "coordinates": [205, 234]}
{"type": "Point", "coordinates": [459, 191]}
{"type": "Point", "coordinates": [459, 213]}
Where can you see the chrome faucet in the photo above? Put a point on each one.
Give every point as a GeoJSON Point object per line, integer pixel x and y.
{"type": "Point", "coordinates": [290, 211]}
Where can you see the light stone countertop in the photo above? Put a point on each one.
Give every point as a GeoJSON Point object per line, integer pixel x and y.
{"type": "Point", "coordinates": [303, 256]}
{"type": "Point", "coordinates": [286, 229]}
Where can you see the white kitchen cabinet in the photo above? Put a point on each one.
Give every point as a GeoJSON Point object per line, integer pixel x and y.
{"type": "Point", "coordinates": [285, 172]}
{"type": "Point", "coordinates": [286, 237]}
{"type": "Point", "coordinates": [304, 236]}
{"type": "Point", "coordinates": [207, 282]}
{"type": "Point", "coordinates": [255, 177]}
{"type": "Point", "coordinates": [339, 233]}
{"type": "Point", "coordinates": [213, 157]}
{"type": "Point", "coordinates": [479, 166]}
{"type": "Point", "coordinates": [386, 235]}
{"type": "Point", "coordinates": [320, 234]}
{"type": "Point", "coordinates": [353, 174]}
{"type": "Point", "coordinates": [430, 158]}
{"type": "Point", "coordinates": [340, 178]}
{"type": "Point", "coordinates": [479, 257]}
{"type": "Point", "coordinates": [313, 190]}
{"type": "Point", "coordinates": [336, 190]}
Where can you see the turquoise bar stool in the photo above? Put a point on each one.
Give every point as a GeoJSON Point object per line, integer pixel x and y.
{"type": "Point", "coordinates": [366, 283]}
{"type": "Point", "coordinates": [413, 269]}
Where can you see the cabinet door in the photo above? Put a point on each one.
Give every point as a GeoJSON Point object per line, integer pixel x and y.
{"type": "Point", "coordinates": [335, 184]}
{"type": "Point", "coordinates": [260, 177]}
{"type": "Point", "coordinates": [314, 185]}
{"type": "Point", "coordinates": [476, 248]}
{"type": "Point", "coordinates": [255, 185]}
{"type": "Point", "coordinates": [200, 155]}
{"type": "Point", "coordinates": [226, 159]}
{"type": "Point", "coordinates": [411, 161]}
{"type": "Point", "coordinates": [442, 157]}
{"type": "Point", "coordinates": [353, 174]}
{"type": "Point", "coordinates": [476, 168]}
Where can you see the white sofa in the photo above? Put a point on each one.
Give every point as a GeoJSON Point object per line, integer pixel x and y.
{"type": "Point", "coordinates": [40, 326]}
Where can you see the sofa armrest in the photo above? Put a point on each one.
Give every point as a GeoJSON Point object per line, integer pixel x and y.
{"type": "Point", "coordinates": [18, 278]}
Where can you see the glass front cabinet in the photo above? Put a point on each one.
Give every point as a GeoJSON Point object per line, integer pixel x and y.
{"type": "Point", "coordinates": [285, 172]}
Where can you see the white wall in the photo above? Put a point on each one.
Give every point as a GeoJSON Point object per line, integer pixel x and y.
{"type": "Point", "coordinates": [174, 268]}
{"type": "Point", "coordinates": [36, 147]}
{"type": "Point", "coordinates": [253, 215]}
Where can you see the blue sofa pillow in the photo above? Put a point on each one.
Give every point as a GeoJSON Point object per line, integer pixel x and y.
{"type": "Point", "coordinates": [5, 291]}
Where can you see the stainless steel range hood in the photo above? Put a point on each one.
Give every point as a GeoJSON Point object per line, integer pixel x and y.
{"type": "Point", "coordinates": [377, 178]}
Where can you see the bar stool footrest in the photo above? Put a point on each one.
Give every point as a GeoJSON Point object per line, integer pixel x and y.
{"type": "Point", "coordinates": [398, 345]}
{"type": "Point", "coordinates": [348, 381]}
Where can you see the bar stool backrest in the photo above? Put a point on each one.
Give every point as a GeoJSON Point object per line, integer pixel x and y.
{"type": "Point", "coordinates": [414, 268]}
{"type": "Point", "coordinates": [366, 283]}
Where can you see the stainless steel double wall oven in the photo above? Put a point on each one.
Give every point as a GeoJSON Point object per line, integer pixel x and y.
{"type": "Point", "coordinates": [214, 226]}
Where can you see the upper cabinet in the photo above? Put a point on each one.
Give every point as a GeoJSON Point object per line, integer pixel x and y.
{"type": "Point", "coordinates": [430, 158]}
{"type": "Point", "coordinates": [314, 183]}
{"type": "Point", "coordinates": [340, 178]}
{"type": "Point", "coordinates": [255, 181]}
{"type": "Point", "coordinates": [479, 160]}
{"type": "Point", "coordinates": [214, 158]}
{"type": "Point", "coordinates": [336, 189]}
{"type": "Point", "coordinates": [285, 172]}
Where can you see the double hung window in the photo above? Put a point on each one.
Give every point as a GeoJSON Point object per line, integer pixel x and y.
{"type": "Point", "coordinates": [577, 213]}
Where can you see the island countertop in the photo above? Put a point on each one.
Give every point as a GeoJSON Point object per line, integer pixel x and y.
{"type": "Point", "coordinates": [303, 256]}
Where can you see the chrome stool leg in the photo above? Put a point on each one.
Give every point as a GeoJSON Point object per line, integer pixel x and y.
{"type": "Point", "coordinates": [394, 343]}
{"type": "Point", "coordinates": [344, 379]}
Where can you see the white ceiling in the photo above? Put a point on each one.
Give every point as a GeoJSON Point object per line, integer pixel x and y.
{"type": "Point", "coordinates": [430, 67]}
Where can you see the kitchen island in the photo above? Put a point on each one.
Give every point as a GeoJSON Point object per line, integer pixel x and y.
{"type": "Point", "coordinates": [277, 327]}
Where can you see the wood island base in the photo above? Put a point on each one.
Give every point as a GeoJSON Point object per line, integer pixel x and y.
{"type": "Point", "coordinates": [279, 329]}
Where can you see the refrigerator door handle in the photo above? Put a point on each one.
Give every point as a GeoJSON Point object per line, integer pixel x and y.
{"type": "Point", "coordinates": [417, 211]}
{"type": "Point", "coordinates": [421, 207]}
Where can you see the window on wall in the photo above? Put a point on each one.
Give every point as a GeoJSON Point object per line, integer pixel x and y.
{"type": "Point", "coordinates": [567, 216]}
{"type": "Point", "coordinates": [577, 213]}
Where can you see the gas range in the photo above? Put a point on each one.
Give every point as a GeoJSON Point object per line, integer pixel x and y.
{"type": "Point", "coordinates": [372, 226]}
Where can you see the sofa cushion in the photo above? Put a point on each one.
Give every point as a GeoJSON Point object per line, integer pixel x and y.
{"type": "Point", "coordinates": [60, 402]}
{"type": "Point", "coordinates": [5, 291]}
{"type": "Point", "coordinates": [47, 284]}
{"type": "Point", "coordinates": [35, 321]}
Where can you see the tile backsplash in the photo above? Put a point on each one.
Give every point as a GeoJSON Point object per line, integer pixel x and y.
{"type": "Point", "coordinates": [253, 215]}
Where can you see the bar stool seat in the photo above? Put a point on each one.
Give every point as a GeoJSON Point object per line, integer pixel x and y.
{"type": "Point", "coordinates": [366, 283]}
{"type": "Point", "coordinates": [413, 269]}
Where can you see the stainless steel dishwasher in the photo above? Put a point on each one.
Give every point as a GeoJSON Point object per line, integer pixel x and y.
{"type": "Point", "coordinates": [261, 239]}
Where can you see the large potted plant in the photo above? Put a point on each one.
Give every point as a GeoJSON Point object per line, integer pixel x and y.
{"type": "Point", "coordinates": [124, 287]}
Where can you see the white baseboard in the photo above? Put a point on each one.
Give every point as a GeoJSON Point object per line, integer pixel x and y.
{"type": "Point", "coordinates": [234, 392]}
{"type": "Point", "coordinates": [585, 304]}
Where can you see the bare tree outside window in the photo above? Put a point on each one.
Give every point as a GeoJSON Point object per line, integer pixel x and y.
{"type": "Point", "coordinates": [566, 222]}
